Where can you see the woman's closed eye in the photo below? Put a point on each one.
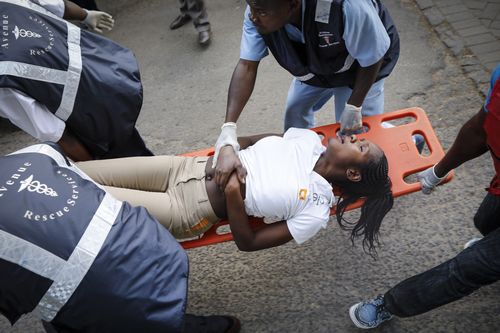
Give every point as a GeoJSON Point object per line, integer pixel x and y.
{"type": "Point", "coordinates": [363, 147]}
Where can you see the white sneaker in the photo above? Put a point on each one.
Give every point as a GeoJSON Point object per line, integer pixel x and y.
{"type": "Point", "coordinates": [472, 242]}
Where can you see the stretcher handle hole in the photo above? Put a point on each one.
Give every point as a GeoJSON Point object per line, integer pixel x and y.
{"type": "Point", "coordinates": [223, 229]}
{"type": "Point", "coordinates": [323, 137]}
{"type": "Point", "coordinates": [395, 122]}
{"type": "Point", "coordinates": [411, 178]}
{"type": "Point", "coordinates": [363, 130]}
{"type": "Point", "coordinates": [422, 144]}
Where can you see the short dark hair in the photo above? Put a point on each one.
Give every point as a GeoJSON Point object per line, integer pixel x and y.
{"type": "Point", "coordinates": [269, 3]}
{"type": "Point", "coordinates": [375, 187]}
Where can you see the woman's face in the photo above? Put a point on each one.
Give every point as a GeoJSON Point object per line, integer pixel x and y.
{"type": "Point", "coordinates": [351, 152]}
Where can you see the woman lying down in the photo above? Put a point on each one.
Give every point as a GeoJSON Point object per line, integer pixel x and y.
{"type": "Point", "coordinates": [289, 179]}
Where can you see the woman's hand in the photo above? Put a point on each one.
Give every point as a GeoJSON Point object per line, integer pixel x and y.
{"type": "Point", "coordinates": [233, 185]}
{"type": "Point", "coordinates": [228, 164]}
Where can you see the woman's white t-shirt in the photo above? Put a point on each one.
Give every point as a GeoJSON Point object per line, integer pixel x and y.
{"type": "Point", "coordinates": [281, 183]}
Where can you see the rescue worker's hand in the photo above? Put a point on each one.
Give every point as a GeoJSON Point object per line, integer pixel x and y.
{"type": "Point", "coordinates": [97, 21]}
{"type": "Point", "coordinates": [350, 121]}
{"type": "Point", "coordinates": [429, 180]}
{"type": "Point", "coordinates": [228, 162]}
{"type": "Point", "coordinates": [227, 137]}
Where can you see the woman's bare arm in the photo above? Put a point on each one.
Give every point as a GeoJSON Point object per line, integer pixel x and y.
{"type": "Point", "coordinates": [244, 236]}
{"type": "Point", "coordinates": [247, 141]}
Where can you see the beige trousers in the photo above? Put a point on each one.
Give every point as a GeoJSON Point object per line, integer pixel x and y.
{"type": "Point", "coordinates": [171, 188]}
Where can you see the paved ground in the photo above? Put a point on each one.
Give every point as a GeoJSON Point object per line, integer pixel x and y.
{"type": "Point", "coordinates": [309, 288]}
{"type": "Point", "coordinates": [471, 30]}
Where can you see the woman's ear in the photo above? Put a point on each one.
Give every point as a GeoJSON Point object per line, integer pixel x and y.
{"type": "Point", "coordinates": [354, 175]}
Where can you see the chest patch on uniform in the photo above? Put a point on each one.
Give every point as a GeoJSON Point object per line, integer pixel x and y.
{"type": "Point", "coordinates": [323, 8]}
{"type": "Point", "coordinates": [326, 39]}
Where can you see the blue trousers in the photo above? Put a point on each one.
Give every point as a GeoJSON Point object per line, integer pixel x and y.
{"type": "Point", "coordinates": [474, 267]}
{"type": "Point", "coordinates": [303, 100]}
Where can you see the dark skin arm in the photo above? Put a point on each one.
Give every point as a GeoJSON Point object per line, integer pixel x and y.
{"type": "Point", "coordinates": [73, 148]}
{"type": "Point", "coordinates": [247, 141]}
{"type": "Point", "coordinates": [240, 90]}
{"type": "Point", "coordinates": [246, 239]}
{"type": "Point", "coordinates": [365, 77]}
{"type": "Point", "coordinates": [469, 144]}
{"type": "Point", "coordinates": [221, 178]}
{"type": "Point", "coordinates": [73, 12]}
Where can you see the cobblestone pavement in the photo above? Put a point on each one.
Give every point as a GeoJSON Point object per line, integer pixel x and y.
{"type": "Point", "coordinates": [309, 288]}
{"type": "Point", "coordinates": [471, 29]}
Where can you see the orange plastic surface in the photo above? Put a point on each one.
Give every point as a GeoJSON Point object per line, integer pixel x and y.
{"type": "Point", "coordinates": [402, 154]}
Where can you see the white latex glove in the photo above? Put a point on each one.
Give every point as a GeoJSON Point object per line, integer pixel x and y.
{"type": "Point", "coordinates": [350, 121]}
{"type": "Point", "coordinates": [97, 21]}
{"type": "Point", "coordinates": [227, 137]}
{"type": "Point", "coordinates": [429, 180]}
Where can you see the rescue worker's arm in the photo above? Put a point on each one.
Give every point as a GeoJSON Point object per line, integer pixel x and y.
{"type": "Point", "coordinates": [469, 144]}
{"type": "Point", "coordinates": [365, 77]}
{"type": "Point", "coordinates": [351, 119]}
{"type": "Point", "coordinates": [95, 20]}
{"type": "Point", "coordinates": [73, 148]}
{"type": "Point", "coordinates": [240, 89]}
{"type": "Point", "coordinates": [73, 12]}
{"type": "Point", "coordinates": [245, 237]}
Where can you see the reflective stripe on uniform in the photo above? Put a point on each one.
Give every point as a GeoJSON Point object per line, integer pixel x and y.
{"type": "Point", "coordinates": [33, 6]}
{"type": "Point", "coordinates": [305, 77]}
{"type": "Point", "coordinates": [29, 256]}
{"type": "Point", "coordinates": [33, 72]}
{"type": "Point", "coordinates": [74, 71]}
{"type": "Point", "coordinates": [349, 60]}
{"type": "Point", "coordinates": [66, 275]}
{"type": "Point", "coordinates": [70, 78]}
{"type": "Point", "coordinates": [78, 264]}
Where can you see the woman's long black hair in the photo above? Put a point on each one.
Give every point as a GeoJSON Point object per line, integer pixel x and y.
{"type": "Point", "coordinates": [375, 188]}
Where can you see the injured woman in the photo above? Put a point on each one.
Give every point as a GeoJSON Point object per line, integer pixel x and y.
{"type": "Point", "coordinates": [289, 179]}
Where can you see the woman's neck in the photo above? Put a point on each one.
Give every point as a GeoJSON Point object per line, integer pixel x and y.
{"type": "Point", "coordinates": [328, 170]}
{"type": "Point", "coordinates": [323, 168]}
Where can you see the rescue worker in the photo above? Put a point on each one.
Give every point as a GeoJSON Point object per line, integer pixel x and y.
{"type": "Point", "coordinates": [340, 48]}
{"type": "Point", "coordinates": [62, 84]}
{"type": "Point", "coordinates": [83, 261]}
{"type": "Point", "coordinates": [479, 264]}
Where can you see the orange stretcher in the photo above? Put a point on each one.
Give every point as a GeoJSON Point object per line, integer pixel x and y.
{"type": "Point", "coordinates": [397, 143]}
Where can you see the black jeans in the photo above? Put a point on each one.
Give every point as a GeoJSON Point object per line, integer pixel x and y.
{"type": "Point", "coordinates": [474, 267]}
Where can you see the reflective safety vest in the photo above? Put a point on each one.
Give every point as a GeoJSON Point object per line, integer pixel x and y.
{"type": "Point", "coordinates": [86, 80]}
{"type": "Point", "coordinates": [78, 257]}
{"type": "Point", "coordinates": [323, 60]}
